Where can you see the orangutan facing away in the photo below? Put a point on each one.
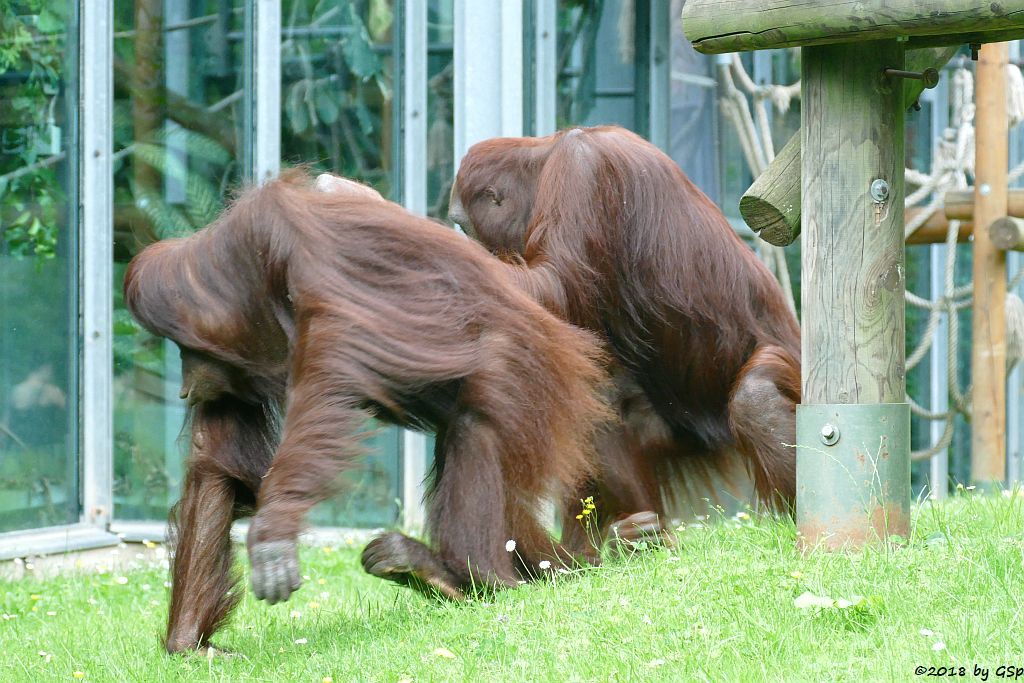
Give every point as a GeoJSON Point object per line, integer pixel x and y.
{"type": "Point", "coordinates": [330, 308]}
{"type": "Point", "coordinates": [604, 229]}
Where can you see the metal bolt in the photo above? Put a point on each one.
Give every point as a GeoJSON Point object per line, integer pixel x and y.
{"type": "Point", "coordinates": [829, 434]}
{"type": "Point", "coordinates": [985, 189]}
{"type": "Point", "coordinates": [879, 190]}
{"type": "Point", "coordinates": [930, 76]}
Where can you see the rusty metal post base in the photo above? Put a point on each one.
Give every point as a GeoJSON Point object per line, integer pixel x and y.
{"type": "Point", "coordinates": [852, 474]}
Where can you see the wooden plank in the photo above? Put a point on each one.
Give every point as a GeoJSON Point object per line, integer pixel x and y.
{"type": "Point", "coordinates": [771, 206]}
{"type": "Point", "coordinates": [988, 338]}
{"type": "Point", "coordinates": [852, 255]}
{"type": "Point", "coordinates": [716, 26]}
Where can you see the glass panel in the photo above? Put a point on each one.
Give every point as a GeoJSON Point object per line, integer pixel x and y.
{"type": "Point", "coordinates": [179, 143]}
{"type": "Point", "coordinates": [440, 105]}
{"type": "Point", "coordinates": [38, 270]}
{"type": "Point", "coordinates": [598, 43]}
{"type": "Point", "coordinates": [692, 88]}
{"type": "Point", "coordinates": [340, 115]}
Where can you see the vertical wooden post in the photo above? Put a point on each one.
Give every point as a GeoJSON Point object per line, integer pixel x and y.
{"type": "Point", "coordinates": [988, 339]}
{"type": "Point", "coordinates": [853, 428]}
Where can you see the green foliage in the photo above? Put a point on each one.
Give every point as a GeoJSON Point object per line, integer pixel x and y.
{"type": "Point", "coordinates": [338, 86]}
{"type": "Point", "coordinates": [33, 205]}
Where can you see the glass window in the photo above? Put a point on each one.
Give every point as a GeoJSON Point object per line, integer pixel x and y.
{"type": "Point", "coordinates": [338, 90]}
{"type": "Point", "coordinates": [601, 75]}
{"type": "Point", "coordinates": [340, 113]}
{"type": "Point", "coordinates": [440, 105]}
{"type": "Point", "coordinates": [179, 146]}
{"type": "Point", "coordinates": [38, 273]}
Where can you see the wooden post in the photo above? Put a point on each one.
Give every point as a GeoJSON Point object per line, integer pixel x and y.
{"type": "Point", "coordinates": [771, 206]}
{"type": "Point", "coordinates": [853, 428]}
{"type": "Point", "coordinates": [988, 339]}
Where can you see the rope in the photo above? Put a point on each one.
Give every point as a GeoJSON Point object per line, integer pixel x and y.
{"type": "Point", "coordinates": [745, 105]}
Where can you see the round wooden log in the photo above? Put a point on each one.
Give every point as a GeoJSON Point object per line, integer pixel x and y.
{"type": "Point", "coordinates": [771, 206]}
{"type": "Point", "coordinates": [936, 228]}
{"type": "Point", "coordinates": [1007, 233]}
{"type": "Point", "coordinates": [959, 204]}
{"type": "Point", "coordinates": [716, 26]}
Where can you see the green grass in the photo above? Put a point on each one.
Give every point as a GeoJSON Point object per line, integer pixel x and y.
{"type": "Point", "coordinates": [719, 607]}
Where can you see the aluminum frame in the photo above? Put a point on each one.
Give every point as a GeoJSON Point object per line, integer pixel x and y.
{"type": "Point", "coordinates": [95, 328]}
{"type": "Point", "coordinates": [414, 197]}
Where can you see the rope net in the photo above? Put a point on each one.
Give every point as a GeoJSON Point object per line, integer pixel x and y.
{"type": "Point", "coordinates": [746, 106]}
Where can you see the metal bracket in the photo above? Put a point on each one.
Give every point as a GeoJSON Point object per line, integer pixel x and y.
{"type": "Point", "coordinates": [855, 489]}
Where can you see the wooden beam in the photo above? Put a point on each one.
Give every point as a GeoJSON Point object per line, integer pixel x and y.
{"type": "Point", "coordinates": [959, 204]}
{"type": "Point", "coordinates": [853, 425]}
{"type": "Point", "coordinates": [1007, 233]}
{"type": "Point", "coordinates": [936, 228]}
{"type": "Point", "coordinates": [771, 206]}
{"type": "Point", "coordinates": [988, 338]}
{"type": "Point", "coordinates": [716, 26]}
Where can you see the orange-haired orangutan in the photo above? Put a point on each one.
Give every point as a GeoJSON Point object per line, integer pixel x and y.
{"type": "Point", "coordinates": [329, 308]}
{"type": "Point", "coordinates": [604, 229]}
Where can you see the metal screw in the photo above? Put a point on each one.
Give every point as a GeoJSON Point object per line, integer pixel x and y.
{"type": "Point", "coordinates": [985, 189]}
{"type": "Point", "coordinates": [829, 434]}
{"type": "Point", "coordinates": [879, 190]}
{"type": "Point", "coordinates": [930, 76]}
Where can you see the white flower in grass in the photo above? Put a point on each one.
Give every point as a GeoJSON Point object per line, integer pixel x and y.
{"type": "Point", "coordinates": [301, 641]}
{"type": "Point", "coordinates": [926, 632]}
{"type": "Point", "coordinates": [510, 546]}
{"type": "Point", "coordinates": [808, 599]}
{"type": "Point", "coordinates": [295, 614]}
{"type": "Point", "coordinates": [938, 645]}
{"type": "Point", "coordinates": [445, 652]}
{"type": "Point", "coordinates": [545, 565]}
{"type": "Point", "coordinates": [122, 580]}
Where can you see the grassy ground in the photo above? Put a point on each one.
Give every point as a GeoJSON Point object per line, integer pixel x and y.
{"type": "Point", "coordinates": [722, 606]}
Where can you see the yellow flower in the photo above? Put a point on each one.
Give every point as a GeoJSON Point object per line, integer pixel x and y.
{"type": "Point", "coordinates": [579, 516]}
{"type": "Point", "coordinates": [321, 581]}
{"type": "Point", "coordinates": [35, 597]}
{"type": "Point", "coordinates": [797, 575]}
{"type": "Point", "coordinates": [78, 674]}
{"type": "Point", "coordinates": [328, 679]}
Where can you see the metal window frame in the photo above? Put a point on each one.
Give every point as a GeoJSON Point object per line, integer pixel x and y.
{"type": "Point", "coordinates": [938, 384]}
{"type": "Point", "coordinates": [95, 273]}
{"type": "Point", "coordinates": [413, 104]}
{"type": "Point", "coordinates": [543, 42]}
{"type": "Point", "coordinates": [488, 71]}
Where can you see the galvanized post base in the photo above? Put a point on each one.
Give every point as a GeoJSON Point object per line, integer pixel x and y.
{"type": "Point", "coordinates": [852, 473]}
